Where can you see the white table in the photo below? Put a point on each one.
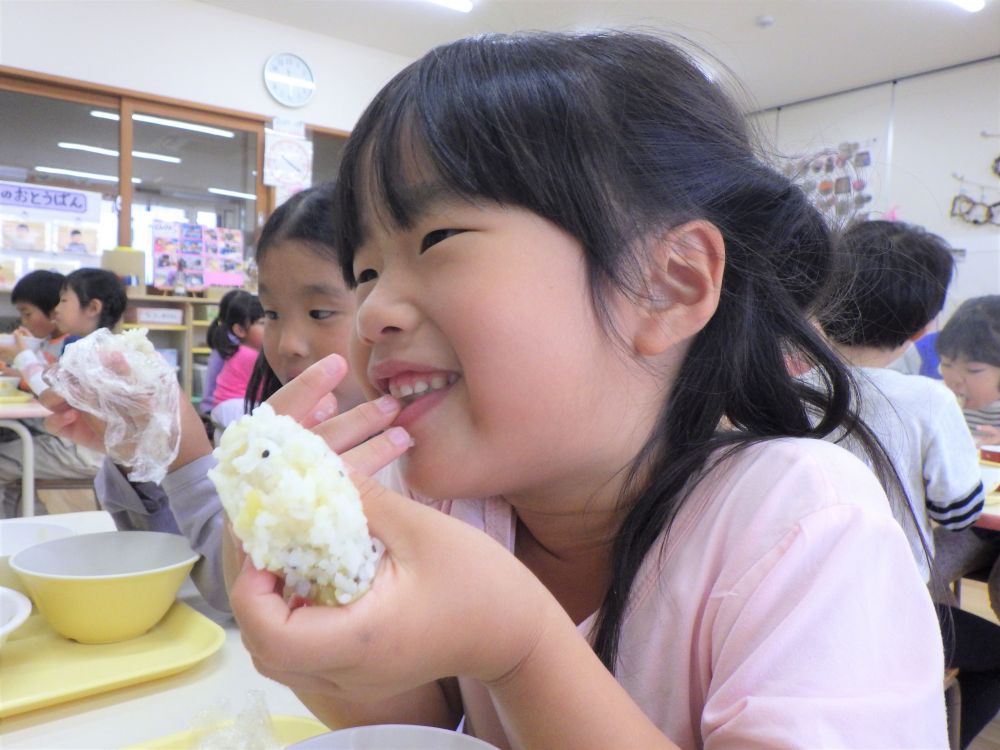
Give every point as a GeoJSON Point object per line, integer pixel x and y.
{"type": "Point", "coordinates": [149, 710]}
{"type": "Point", "coordinates": [10, 416]}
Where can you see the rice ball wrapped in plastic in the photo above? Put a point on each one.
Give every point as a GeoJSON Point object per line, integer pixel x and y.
{"type": "Point", "coordinates": [295, 510]}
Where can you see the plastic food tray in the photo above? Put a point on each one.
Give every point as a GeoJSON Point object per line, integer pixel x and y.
{"type": "Point", "coordinates": [287, 730]}
{"type": "Point", "coordinates": [41, 668]}
{"type": "Point", "coordinates": [16, 398]}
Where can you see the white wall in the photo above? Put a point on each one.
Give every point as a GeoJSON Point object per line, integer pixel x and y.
{"type": "Point", "coordinates": [926, 129]}
{"type": "Point", "coordinates": [191, 51]}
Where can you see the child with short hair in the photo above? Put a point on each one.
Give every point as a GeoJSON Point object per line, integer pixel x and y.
{"type": "Point", "coordinates": [890, 285]}
{"type": "Point", "coordinates": [583, 285]}
{"type": "Point", "coordinates": [969, 347]}
{"type": "Point", "coordinates": [35, 297]}
{"type": "Point", "coordinates": [89, 298]}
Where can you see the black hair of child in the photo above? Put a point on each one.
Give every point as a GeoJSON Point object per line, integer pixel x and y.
{"type": "Point", "coordinates": [306, 217]}
{"type": "Point", "coordinates": [973, 331]}
{"type": "Point", "coordinates": [616, 138]}
{"type": "Point", "coordinates": [237, 308]}
{"type": "Point", "coordinates": [891, 281]}
{"type": "Point", "coordinates": [96, 283]}
{"type": "Point", "coordinates": [39, 288]}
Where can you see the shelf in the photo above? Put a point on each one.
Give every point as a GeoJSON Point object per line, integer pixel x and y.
{"type": "Point", "coordinates": [201, 350]}
{"type": "Point", "coordinates": [154, 327]}
{"type": "Point", "coordinates": [201, 323]}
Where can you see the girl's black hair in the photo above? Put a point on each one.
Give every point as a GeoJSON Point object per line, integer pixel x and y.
{"type": "Point", "coordinates": [237, 308]}
{"type": "Point", "coordinates": [306, 217]}
{"type": "Point", "coordinates": [616, 137]}
{"type": "Point", "coordinates": [96, 283]}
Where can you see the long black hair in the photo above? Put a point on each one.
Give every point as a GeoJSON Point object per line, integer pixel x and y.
{"type": "Point", "coordinates": [306, 217]}
{"type": "Point", "coordinates": [97, 283]}
{"type": "Point", "coordinates": [237, 308]}
{"type": "Point", "coordinates": [615, 137]}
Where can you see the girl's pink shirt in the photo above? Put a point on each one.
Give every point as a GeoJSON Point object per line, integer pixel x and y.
{"type": "Point", "coordinates": [235, 375]}
{"type": "Point", "coordinates": [784, 611]}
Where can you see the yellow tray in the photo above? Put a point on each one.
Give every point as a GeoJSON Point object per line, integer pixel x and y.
{"type": "Point", "coordinates": [41, 668]}
{"type": "Point", "coordinates": [17, 398]}
{"type": "Point", "coordinates": [287, 730]}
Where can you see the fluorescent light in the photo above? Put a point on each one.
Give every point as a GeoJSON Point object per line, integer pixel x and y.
{"type": "Point", "coordinates": [113, 152]}
{"type": "Point", "coordinates": [972, 6]}
{"type": "Point", "coordinates": [88, 175]}
{"type": "Point", "coordinates": [233, 194]}
{"type": "Point", "coordinates": [180, 124]}
{"type": "Point", "coordinates": [290, 80]}
{"type": "Point", "coordinates": [462, 6]}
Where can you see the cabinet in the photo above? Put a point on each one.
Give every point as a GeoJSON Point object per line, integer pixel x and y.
{"type": "Point", "coordinates": [187, 337]}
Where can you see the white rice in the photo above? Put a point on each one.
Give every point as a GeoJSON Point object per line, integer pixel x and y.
{"type": "Point", "coordinates": [293, 507]}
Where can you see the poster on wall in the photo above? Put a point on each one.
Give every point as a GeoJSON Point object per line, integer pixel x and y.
{"type": "Point", "coordinates": [71, 238]}
{"type": "Point", "coordinates": [193, 256]}
{"type": "Point", "coordinates": [10, 271]}
{"type": "Point", "coordinates": [23, 234]}
{"type": "Point", "coordinates": [836, 180]}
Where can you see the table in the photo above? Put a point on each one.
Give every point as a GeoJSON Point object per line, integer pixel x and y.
{"type": "Point", "coordinates": [10, 416]}
{"type": "Point", "coordinates": [149, 710]}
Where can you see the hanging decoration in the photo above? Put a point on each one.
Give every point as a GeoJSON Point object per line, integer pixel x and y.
{"type": "Point", "coordinates": [836, 180]}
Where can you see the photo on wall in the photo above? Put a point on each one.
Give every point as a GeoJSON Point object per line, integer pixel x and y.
{"type": "Point", "coordinates": [53, 263]}
{"type": "Point", "coordinates": [23, 234]}
{"type": "Point", "coordinates": [71, 238]}
{"type": "Point", "coordinates": [10, 271]}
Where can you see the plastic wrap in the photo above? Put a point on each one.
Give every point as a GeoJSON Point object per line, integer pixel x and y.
{"type": "Point", "coordinates": [125, 383]}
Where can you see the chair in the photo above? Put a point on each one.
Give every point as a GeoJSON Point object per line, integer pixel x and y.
{"type": "Point", "coordinates": [953, 707]}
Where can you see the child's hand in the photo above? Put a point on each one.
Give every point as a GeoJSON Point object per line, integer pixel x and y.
{"type": "Point", "coordinates": [986, 435]}
{"type": "Point", "coordinates": [447, 600]}
{"type": "Point", "coordinates": [69, 423]}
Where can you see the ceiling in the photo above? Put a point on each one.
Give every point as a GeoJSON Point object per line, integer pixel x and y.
{"type": "Point", "coordinates": [811, 48]}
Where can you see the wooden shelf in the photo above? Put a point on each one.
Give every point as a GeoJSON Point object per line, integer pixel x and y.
{"type": "Point", "coordinates": [201, 350]}
{"type": "Point", "coordinates": [201, 323]}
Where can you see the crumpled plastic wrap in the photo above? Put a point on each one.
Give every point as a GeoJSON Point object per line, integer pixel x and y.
{"type": "Point", "coordinates": [123, 381]}
{"type": "Point", "coordinates": [251, 729]}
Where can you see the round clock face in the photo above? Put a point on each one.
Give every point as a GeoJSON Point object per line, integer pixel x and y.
{"type": "Point", "coordinates": [289, 79]}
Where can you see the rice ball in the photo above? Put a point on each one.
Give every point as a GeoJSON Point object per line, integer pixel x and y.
{"type": "Point", "coordinates": [294, 509]}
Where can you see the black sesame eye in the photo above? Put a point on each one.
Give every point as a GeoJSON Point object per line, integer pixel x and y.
{"type": "Point", "coordinates": [265, 454]}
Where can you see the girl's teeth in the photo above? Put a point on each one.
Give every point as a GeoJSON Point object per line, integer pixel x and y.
{"type": "Point", "coordinates": [438, 381]}
{"type": "Point", "coordinates": [406, 390]}
{"type": "Point", "coordinates": [419, 387]}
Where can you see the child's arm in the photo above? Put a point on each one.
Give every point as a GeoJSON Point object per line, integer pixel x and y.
{"type": "Point", "coordinates": [953, 480]}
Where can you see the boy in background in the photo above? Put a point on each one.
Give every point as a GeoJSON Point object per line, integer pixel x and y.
{"type": "Point", "coordinates": [35, 297]}
{"type": "Point", "coordinates": [890, 286]}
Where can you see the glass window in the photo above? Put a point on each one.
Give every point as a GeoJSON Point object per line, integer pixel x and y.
{"type": "Point", "coordinates": [194, 207]}
{"type": "Point", "coordinates": [327, 151]}
{"type": "Point", "coordinates": [58, 185]}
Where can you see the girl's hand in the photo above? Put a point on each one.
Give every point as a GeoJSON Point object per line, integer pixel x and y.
{"type": "Point", "coordinates": [69, 423]}
{"type": "Point", "coordinates": [447, 599]}
{"type": "Point", "coordinates": [986, 435]}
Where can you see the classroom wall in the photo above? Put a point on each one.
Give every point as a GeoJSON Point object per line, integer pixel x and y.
{"type": "Point", "coordinates": [921, 131]}
{"type": "Point", "coordinates": [191, 51]}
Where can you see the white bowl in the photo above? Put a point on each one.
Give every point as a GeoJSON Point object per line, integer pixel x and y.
{"type": "Point", "coordinates": [16, 535]}
{"type": "Point", "coordinates": [394, 736]}
{"type": "Point", "coordinates": [14, 610]}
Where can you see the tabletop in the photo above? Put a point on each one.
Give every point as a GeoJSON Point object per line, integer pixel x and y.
{"type": "Point", "coordinates": [151, 710]}
{"type": "Point", "coordinates": [26, 410]}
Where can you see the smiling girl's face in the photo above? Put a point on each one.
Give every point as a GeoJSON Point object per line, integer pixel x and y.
{"type": "Point", "coordinates": [976, 384]}
{"type": "Point", "coordinates": [309, 314]}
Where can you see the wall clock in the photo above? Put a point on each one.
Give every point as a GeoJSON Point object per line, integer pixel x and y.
{"type": "Point", "coordinates": [289, 79]}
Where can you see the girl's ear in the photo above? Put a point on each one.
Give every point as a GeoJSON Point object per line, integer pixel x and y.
{"type": "Point", "coordinates": [94, 308]}
{"type": "Point", "coordinates": [240, 331]}
{"type": "Point", "coordinates": [683, 282]}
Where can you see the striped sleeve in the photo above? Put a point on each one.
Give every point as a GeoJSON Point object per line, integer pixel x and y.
{"type": "Point", "coordinates": [959, 514]}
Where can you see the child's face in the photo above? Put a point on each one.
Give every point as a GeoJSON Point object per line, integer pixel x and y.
{"type": "Point", "coordinates": [481, 319]}
{"type": "Point", "coordinates": [254, 335]}
{"type": "Point", "coordinates": [309, 313]}
{"type": "Point", "coordinates": [976, 384]}
{"type": "Point", "coordinates": [72, 317]}
{"type": "Point", "coordinates": [37, 322]}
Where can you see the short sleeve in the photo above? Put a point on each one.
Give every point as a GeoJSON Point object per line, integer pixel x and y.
{"type": "Point", "coordinates": [829, 640]}
{"type": "Point", "coordinates": [951, 466]}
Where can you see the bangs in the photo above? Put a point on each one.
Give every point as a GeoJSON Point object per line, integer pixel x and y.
{"type": "Point", "coordinates": [508, 120]}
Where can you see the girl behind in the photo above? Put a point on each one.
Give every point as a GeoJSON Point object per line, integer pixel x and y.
{"type": "Point", "coordinates": [237, 334]}
{"type": "Point", "coordinates": [583, 285]}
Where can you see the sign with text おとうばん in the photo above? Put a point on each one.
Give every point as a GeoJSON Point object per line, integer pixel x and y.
{"type": "Point", "coordinates": [47, 203]}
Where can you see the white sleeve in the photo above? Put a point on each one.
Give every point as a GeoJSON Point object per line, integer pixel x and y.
{"type": "Point", "coordinates": [953, 481]}
{"type": "Point", "coordinates": [31, 366]}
